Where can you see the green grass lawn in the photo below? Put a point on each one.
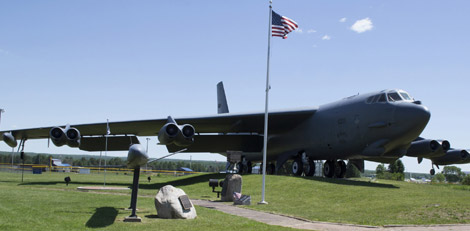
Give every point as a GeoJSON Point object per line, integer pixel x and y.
{"type": "Point", "coordinates": [43, 202]}
{"type": "Point", "coordinates": [335, 200]}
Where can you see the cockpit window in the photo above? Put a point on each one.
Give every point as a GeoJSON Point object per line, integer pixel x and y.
{"type": "Point", "coordinates": [389, 96]}
{"type": "Point", "coordinates": [405, 96]}
{"type": "Point", "coordinates": [382, 98]}
{"type": "Point", "coordinates": [372, 99]}
{"type": "Point", "coordinates": [393, 96]}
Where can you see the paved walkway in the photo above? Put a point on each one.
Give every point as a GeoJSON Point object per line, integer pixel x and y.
{"type": "Point", "coordinates": [285, 221]}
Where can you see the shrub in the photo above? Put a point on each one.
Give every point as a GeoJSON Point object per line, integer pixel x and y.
{"type": "Point", "coordinates": [466, 180]}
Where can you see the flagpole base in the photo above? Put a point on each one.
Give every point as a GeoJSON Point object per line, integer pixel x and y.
{"type": "Point", "coordinates": [263, 203]}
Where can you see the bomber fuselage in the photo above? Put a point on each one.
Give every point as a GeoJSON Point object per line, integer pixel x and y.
{"type": "Point", "coordinates": [376, 126]}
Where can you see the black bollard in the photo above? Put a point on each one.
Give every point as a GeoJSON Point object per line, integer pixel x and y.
{"type": "Point", "coordinates": [135, 187]}
{"type": "Point", "coordinates": [67, 180]}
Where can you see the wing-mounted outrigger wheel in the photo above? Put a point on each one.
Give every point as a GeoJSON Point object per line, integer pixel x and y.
{"type": "Point", "coordinates": [432, 172]}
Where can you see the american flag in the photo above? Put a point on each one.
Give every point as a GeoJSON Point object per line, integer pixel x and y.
{"type": "Point", "coordinates": [281, 26]}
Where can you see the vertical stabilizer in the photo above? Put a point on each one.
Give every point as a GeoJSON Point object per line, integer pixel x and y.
{"type": "Point", "coordinates": [222, 106]}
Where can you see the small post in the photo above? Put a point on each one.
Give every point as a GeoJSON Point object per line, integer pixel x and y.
{"type": "Point", "coordinates": [22, 169]}
{"type": "Point", "coordinates": [1, 111]}
{"type": "Point", "coordinates": [147, 151]}
{"type": "Point", "coordinates": [135, 187]}
{"type": "Point", "coordinates": [12, 152]}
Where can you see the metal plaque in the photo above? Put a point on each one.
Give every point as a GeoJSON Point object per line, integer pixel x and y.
{"type": "Point", "coordinates": [185, 202]}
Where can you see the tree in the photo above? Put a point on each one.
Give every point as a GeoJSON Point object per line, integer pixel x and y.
{"type": "Point", "coordinates": [380, 169]}
{"type": "Point", "coordinates": [453, 174]}
{"type": "Point", "coordinates": [352, 171]}
{"type": "Point", "coordinates": [396, 167]}
{"type": "Point", "coordinates": [438, 178]}
{"type": "Point", "coordinates": [466, 180]}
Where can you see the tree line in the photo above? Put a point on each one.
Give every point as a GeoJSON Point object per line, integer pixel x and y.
{"type": "Point", "coordinates": [93, 161]}
{"type": "Point", "coordinates": [395, 171]}
{"type": "Point", "coordinates": [452, 174]}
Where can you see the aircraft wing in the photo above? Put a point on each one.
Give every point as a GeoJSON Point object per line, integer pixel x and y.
{"type": "Point", "coordinates": [279, 121]}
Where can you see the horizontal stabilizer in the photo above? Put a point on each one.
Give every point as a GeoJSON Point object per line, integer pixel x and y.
{"type": "Point", "coordinates": [115, 143]}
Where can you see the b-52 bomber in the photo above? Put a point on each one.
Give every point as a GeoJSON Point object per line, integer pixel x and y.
{"type": "Point", "coordinates": [379, 126]}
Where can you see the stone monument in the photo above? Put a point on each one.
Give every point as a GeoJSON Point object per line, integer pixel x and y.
{"type": "Point", "coordinates": [173, 203]}
{"type": "Point", "coordinates": [232, 183]}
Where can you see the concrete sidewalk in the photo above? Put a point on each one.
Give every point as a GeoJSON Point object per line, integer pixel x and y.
{"type": "Point", "coordinates": [285, 221]}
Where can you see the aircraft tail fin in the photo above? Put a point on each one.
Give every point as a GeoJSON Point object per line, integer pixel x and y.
{"type": "Point", "coordinates": [222, 106]}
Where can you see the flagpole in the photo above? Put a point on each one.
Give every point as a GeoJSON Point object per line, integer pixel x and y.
{"type": "Point", "coordinates": [265, 141]}
{"type": "Point", "coordinates": [106, 150]}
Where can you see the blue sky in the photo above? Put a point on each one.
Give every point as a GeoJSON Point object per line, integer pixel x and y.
{"type": "Point", "coordinates": [87, 61]}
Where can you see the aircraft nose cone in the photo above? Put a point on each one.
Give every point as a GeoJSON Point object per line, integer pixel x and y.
{"type": "Point", "coordinates": [412, 117]}
{"type": "Point", "coordinates": [420, 115]}
{"type": "Point", "coordinates": [423, 113]}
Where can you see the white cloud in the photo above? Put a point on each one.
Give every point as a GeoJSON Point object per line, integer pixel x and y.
{"type": "Point", "coordinates": [326, 37]}
{"type": "Point", "coordinates": [362, 25]}
{"type": "Point", "coordinates": [299, 30]}
{"type": "Point", "coordinates": [342, 20]}
{"type": "Point", "coordinates": [311, 31]}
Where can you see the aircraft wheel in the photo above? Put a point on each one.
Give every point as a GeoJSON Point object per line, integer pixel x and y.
{"type": "Point", "coordinates": [310, 170]}
{"type": "Point", "coordinates": [240, 168]}
{"type": "Point", "coordinates": [271, 169]}
{"type": "Point", "coordinates": [297, 167]}
{"type": "Point", "coordinates": [249, 167]}
{"type": "Point", "coordinates": [329, 168]}
{"type": "Point", "coordinates": [432, 172]}
{"type": "Point", "coordinates": [341, 171]}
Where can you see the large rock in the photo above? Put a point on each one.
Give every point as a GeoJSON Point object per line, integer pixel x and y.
{"type": "Point", "coordinates": [232, 183]}
{"type": "Point", "coordinates": [169, 206]}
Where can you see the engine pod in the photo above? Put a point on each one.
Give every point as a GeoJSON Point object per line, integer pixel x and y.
{"type": "Point", "coordinates": [58, 136]}
{"type": "Point", "coordinates": [9, 139]}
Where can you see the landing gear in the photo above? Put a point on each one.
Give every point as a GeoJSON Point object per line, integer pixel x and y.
{"type": "Point", "coordinates": [270, 169]}
{"type": "Point", "coordinates": [297, 166]}
{"type": "Point", "coordinates": [334, 168]}
{"type": "Point", "coordinates": [244, 167]}
{"type": "Point", "coordinates": [432, 172]}
{"type": "Point", "coordinates": [340, 170]}
{"type": "Point", "coordinates": [329, 168]}
{"type": "Point", "coordinates": [310, 168]}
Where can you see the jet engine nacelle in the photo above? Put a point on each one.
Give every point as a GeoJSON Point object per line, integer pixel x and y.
{"type": "Point", "coordinates": [172, 133]}
{"type": "Point", "coordinates": [454, 156]}
{"type": "Point", "coordinates": [428, 148]}
{"type": "Point", "coordinates": [57, 135]}
{"type": "Point", "coordinates": [423, 148]}
{"type": "Point", "coordinates": [73, 137]}
{"type": "Point", "coordinates": [444, 144]}
{"type": "Point", "coordinates": [10, 139]}
{"type": "Point", "coordinates": [70, 136]}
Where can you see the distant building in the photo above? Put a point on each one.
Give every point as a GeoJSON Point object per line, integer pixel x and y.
{"type": "Point", "coordinates": [184, 169]}
{"type": "Point", "coordinates": [60, 167]}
